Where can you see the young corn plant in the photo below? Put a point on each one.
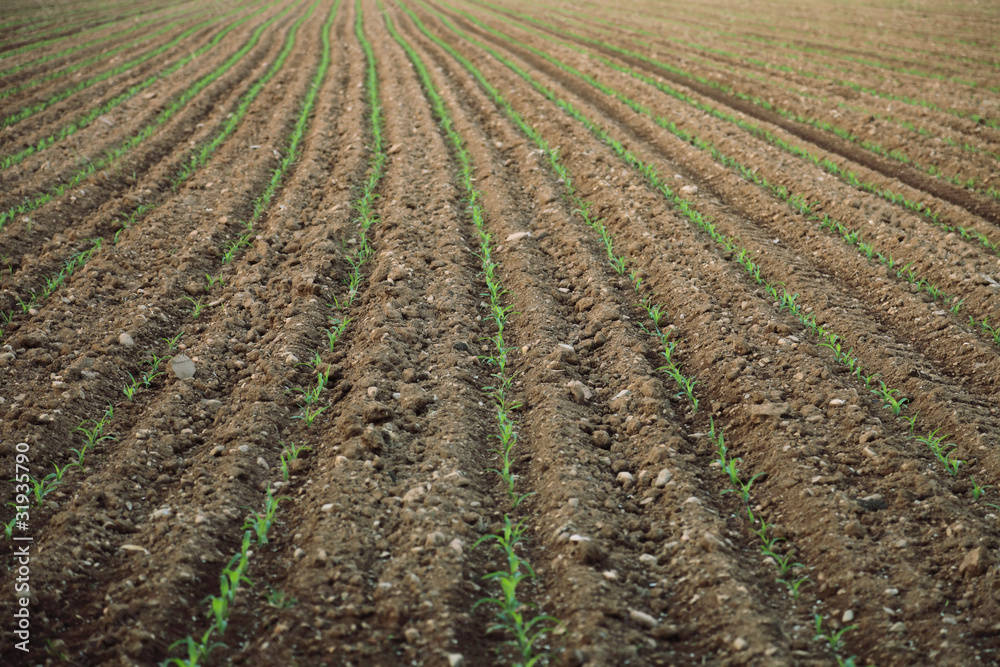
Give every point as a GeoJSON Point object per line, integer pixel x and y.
{"type": "Point", "coordinates": [172, 343]}
{"type": "Point", "coordinates": [289, 453]}
{"type": "Point", "coordinates": [978, 491]}
{"type": "Point", "coordinates": [336, 331]}
{"type": "Point", "coordinates": [517, 619]}
{"type": "Point", "coordinates": [309, 414]}
{"type": "Point", "coordinates": [196, 306]}
{"type": "Point", "coordinates": [513, 616]}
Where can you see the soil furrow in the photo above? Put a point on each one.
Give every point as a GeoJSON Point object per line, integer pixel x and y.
{"type": "Point", "coordinates": [192, 264]}
{"type": "Point", "coordinates": [828, 142]}
{"type": "Point", "coordinates": [903, 567]}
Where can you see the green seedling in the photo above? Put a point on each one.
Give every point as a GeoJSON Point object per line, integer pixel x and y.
{"type": "Point", "coordinates": [43, 487]}
{"type": "Point", "coordinates": [889, 396]}
{"type": "Point", "coordinates": [148, 377]}
{"type": "Point", "coordinates": [978, 491]}
{"type": "Point", "coordinates": [172, 343]}
{"type": "Point", "coordinates": [279, 599]}
{"type": "Point", "coordinates": [783, 561]}
{"type": "Point", "coordinates": [912, 420]}
{"type": "Point", "coordinates": [289, 454]}
{"type": "Point", "coordinates": [92, 435]}
{"type": "Point", "coordinates": [260, 522]}
{"type": "Point", "coordinates": [60, 472]}
{"type": "Point", "coordinates": [309, 414]}
{"type": "Point", "coordinates": [743, 488]}
{"type": "Point", "coordinates": [196, 307]}
{"type": "Point", "coordinates": [793, 585]}
{"type": "Point", "coordinates": [197, 651]}
{"type": "Point", "coordinates": [834, 639]}
{"type": "Point", "coordinates": [8, 528]}
{"type": "Point", "coordinates": [130, 388]}
{"type": "Point", "coordinates": [212, 281]}
{"type": "Point", "coordinates": [337, 329]}
{"type": "Point", "coordinates": [511, 615]}
{"type": "Point", "coordinates": [952, 464]}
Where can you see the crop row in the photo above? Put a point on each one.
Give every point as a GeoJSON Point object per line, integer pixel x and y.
{"type": "Point", "coordinates": [87, 118]}
{"type": "Point", "coordinates": [76, 66]}
{"type": "Point", "coordinates": [112, 156]}
{"type": "Point", "coordinates": [798, 203]}
{"type": "Point", "coordinates": [836, 79]}
{"type": "Point", "coordinates": [784, 300]}
{"type": "Point", "coordinates": [66, 31]}
{"type": "Point", "coordinates": [258, 524]}
{"type": "Point", "coordinates": [782, 558]}
{"type": "Point", "coordinates": [824, 126]}
{"type": "Point", "coordinates": [516, 618]}
{"type": "Point", "coordinates": [7, 92]}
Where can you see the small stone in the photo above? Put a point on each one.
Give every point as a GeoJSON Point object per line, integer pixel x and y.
{"type": "Point", "coordinates": [161, 513]}
{"type": "Point", "coordinates": [299, 553]}
{"type": "Point", "coordinates": [589, 552]}
{"type": "Point", "coordinates": [213, 405]}
{"type": "Point", "coordinates": [291, 360]}
{"type": "Point", "coordinates": [625, 478]}
{"type": "Point", "coordinates": [642, 618]}
{"type": "Point", "coordinates": [516, 236]}
{"type": "Point", "coordinates": [601, 439]}
{"type": "Point", "coordinates": [740, 643]}
{"type": "Point", "coordinates": [898, 627]}
{"type": "Point", "coordinates": [855, 529]}
{"type": "Point", "coordinates": [134, 547]}
{"type": "Point", "coordinates": [456, 546]}
{"type": "Point", "coordinates": [372, 392]}
{"type": "Point", "coordinates": [182, 366]}
{"type": "Point", "coordinates": [891, 592]}
{"type": "Point", "coordinates": [837, 402]}
{"type": "Point", "coordinates": [456, 660]}
{"type": "Point", "coordinates": [848, 616]}
{"type": "Point", "coordinates": [435, 539]}
{"type": "Point", "coordinates": [689, 189]}
{"type": "Point", "coordinates": [579, 391]}
{"type": "Point", "coordinates": [321, 558]}
{"type": "Point", "coordinates": [648, 560]}
{"type": "Point", "coordinates": [415, 495]}
{"type": "Point", "coordinates": [412, 635]}
{"type": "Point", "coordinates": [125, 340]}
{"type": "Point", "coordinates": [327, 508]}
{"type": "Point", "coordinates": [769, 410]}
{"type": "Point", "coordinates": [662, 479]}
{"type": "Point", "coordinates": [218, 450]}
{"type": "Point", "coordinates": [976, 562]}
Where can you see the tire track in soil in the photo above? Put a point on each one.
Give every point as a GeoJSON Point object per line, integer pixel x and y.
{"type": "Point", "coordinates": [900, 570]}
{"type": "Point", "coordinates": [973, 356]}
{"type": "Point", "coordinates": [161, 411]}
{"type": "Point", "coordinates": [916, 179]}
{"type": "Point", "coordinates": [101, 197]}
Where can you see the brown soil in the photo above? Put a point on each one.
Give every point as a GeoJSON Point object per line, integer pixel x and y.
{"type": "Point", "coordinates": [374, 540]}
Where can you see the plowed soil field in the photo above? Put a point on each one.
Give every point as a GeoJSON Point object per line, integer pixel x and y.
{"type": "Point", "coordinates": [426, 332]}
